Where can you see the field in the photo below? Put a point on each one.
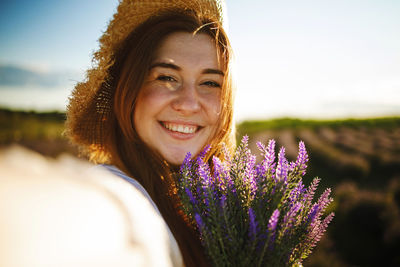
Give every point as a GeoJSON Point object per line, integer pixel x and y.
{"type": "Point", "coordinates": [358, 159]}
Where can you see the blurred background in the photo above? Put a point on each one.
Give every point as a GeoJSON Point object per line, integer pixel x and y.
{"type": "Point", "coordinates": [325, 72]}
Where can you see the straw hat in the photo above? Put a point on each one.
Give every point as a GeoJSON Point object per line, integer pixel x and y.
{"type": "Point", "coordinates": [89, 106]}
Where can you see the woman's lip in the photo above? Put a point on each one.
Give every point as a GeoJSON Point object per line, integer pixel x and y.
{"type": "Point", "coordinates": [179, 122]}
{"type": "Point", "coordinates": [180, 135]}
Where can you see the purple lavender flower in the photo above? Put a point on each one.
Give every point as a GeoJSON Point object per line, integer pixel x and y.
{"type": "Point", "coordinates": [250, 174]}
{"type": "Point", "coordinates": [309, 195]}
{"type": "Point", "coordinates": [225, 153]}
{"type": "Point", "coordinates": [203, 153]}
{"type": "Point", "coordinates": [260, 171]}
{"type": "Point", "coordinates": [199, 221]}
{"type": "Point", "coordinates": [296, 193]}
{"type": "Point", "coordinates": [316, 235]}
{"type": "Point", "coordinates": [292, 166]}
{"type": "Point", "coordinates": [253, 224]}
{"type": "Point", "coordinates": [324, 200]}
{"type": "Point", "coordinates": [203, 172]}
{"type": "Point", "coordinates": [242, 154]}
{"type": "Point", "coordinates": [268, 154]}
{"type": "Point", "coordinates": [302, 158]}
{"type": "Point", "coordinates": [185, 170]}
{"type": "Point", "coordinates": [317, 209]}
{"type": "Point", "coordinates": [205, 181]}
{"type": "Point", "coordinates": [312, 215]}
{"type": "Point", "coordinates": [221, 174]}
{"type": "Point", "coordinates": [273, 221]}
{"type": "Point", "coordinates": [190, 195]}
{"type": "Point", "coordinates": [187, 163]}
{"type": "Point", "coordinates": [262, 148]}
{"type": "Point", "coordinates": [282, 168]}
{"type": "Point", "coordinates": [261, 168]}
{"type": "Point", "coordinates": [245, 140]}
{"type": "Point", "coordinates": [218, 172]}
{"type": "Point", "coordinates": [290, 216]}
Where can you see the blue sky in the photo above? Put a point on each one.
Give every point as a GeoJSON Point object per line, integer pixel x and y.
{"type": "Point", "coordinates": [293, 58]}
{"type": "Point", "coordinates": [52, 34]}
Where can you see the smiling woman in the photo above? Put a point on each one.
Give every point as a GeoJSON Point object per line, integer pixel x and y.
{"type": "Point", "coordinates": [161, 88]}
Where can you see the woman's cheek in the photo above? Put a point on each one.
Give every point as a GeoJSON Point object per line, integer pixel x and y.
{"type": "Point", "coordinates": [155, 94]}
{"type": "Point", "coordinates": [214, 106]}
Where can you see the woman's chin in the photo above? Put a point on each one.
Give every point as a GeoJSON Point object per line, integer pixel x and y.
{"type": "Point", "coordinates": [176, 158]}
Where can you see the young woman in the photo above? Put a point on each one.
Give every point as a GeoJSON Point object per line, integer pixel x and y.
{"type": "Point", "coordinates": [161, 88]}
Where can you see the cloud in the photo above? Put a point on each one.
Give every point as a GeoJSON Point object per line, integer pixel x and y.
{"type": "Point", "coordinates": [19, 77]}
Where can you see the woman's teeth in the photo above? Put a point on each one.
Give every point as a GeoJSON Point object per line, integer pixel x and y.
{"type": "Point", "coordinates": [188, 129]}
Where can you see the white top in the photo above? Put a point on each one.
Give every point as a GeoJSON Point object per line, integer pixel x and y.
{"type": "Point", "coordinates": [175, 252]}
{"type": "Point", "coordinates": [66, 212]}
{"type": "Point", "coordinates": [135, 183]}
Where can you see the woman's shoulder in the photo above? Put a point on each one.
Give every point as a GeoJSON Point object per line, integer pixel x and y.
{"type": "Point", "coordinates": [117, 172]}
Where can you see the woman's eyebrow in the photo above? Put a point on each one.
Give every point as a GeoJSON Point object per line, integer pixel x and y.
{"type": "Point", "coordinates": [213, 71]}
{"type": "Point", "coordinates": [175, 67]}
{"type": "Point", "coordinates": [165, 65]}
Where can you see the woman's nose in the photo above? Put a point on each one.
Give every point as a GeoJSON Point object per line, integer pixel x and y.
{"type": "Point", "coordinates": [186, 100]}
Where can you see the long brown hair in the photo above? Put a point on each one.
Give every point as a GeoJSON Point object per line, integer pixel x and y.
{"type": "Point", "coordinates": [128, 151]}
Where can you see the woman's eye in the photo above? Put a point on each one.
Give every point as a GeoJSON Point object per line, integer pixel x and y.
{"type": "Point", "coordinates": [166, 78]}
{"type": "Point", "coordinates": [212, 84]}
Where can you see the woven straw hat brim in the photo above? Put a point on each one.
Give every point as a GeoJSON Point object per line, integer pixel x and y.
{"type": "Point", "coordinates": [90, 103]}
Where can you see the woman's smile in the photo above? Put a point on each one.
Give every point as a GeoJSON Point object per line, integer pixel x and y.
{"type": "Point", "coordinates": [180, 128]}
{"type": "Point", "coordinates": [178, 131]}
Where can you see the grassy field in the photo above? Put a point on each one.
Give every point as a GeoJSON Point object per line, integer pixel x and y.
{"type": "Point", "coordinates": [340, 150]}
{"type": "Point", "coordinates": [41, 132]}
{"type": "Point", "coordinates": [358, 159]}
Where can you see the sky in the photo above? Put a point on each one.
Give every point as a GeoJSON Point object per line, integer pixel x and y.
{"type": "Point", "coordinates": [306, 59]}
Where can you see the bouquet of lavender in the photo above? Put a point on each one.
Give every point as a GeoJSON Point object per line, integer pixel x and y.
{"type": "Point", "coordinates": [251, 214]}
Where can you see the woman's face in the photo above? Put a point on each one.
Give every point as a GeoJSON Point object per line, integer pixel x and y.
{"type": "Point", "coordinates": [178, 106]}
